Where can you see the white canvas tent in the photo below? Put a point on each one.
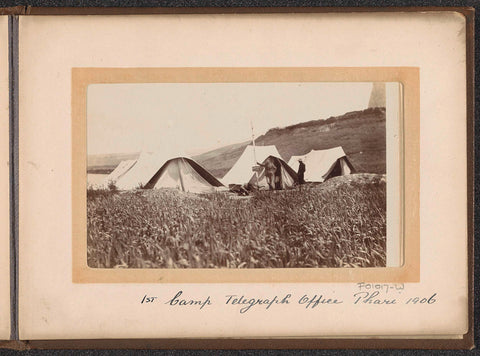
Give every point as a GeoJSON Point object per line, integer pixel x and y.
{"type": "Point", "coordinates": [119, 172]}
{"type": "Point", "coordinates": [323, 164]}
{"type": "Point", "coordinates": [241, 172]}
{"type": "Point", "coordinates": [184, 174]}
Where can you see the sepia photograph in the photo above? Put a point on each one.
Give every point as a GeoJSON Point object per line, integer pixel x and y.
{"type": "Point", "coordinates": [237, 175]}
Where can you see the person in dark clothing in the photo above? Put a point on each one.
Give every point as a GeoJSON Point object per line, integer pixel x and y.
{"type": "Point", "coordinates": [278, 174]}
{"type": "Point", "coordinates": [301, 172]}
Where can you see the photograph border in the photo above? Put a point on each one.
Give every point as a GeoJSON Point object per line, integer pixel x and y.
{"type": "Point", "coordinates": [409, 77]}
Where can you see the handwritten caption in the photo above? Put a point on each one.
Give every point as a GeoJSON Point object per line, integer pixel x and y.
{"type": "Point", "coordinates": [364, 294]}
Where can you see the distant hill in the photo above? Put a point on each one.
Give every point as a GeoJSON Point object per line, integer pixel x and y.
{"type": "Point", "coordinates": [105, 163]}
{"type": "Point", "coordinates": [360, 133]}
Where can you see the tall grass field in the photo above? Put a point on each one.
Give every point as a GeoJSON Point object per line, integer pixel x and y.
{"type": "Point", "coordinates": [339, 223]}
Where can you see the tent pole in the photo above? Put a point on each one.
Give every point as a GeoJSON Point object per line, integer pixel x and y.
{"type": "Point", "coordinates": [180, 176]}
{"type": "Point", "coordinates": [254, 154]}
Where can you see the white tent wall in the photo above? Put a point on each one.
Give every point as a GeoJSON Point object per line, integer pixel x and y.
{"type": "Point", "coordinates": [293, 161]}
{"type": "Point", "coordinates": [319, 163]}
{"type": "Point", "coordinates": [118, 172]}
{"type": "Point", "coordinates": [241, 172]}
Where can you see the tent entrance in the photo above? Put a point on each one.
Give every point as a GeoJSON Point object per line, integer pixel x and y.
{"type": "Point", "coordinates": [275, 174]}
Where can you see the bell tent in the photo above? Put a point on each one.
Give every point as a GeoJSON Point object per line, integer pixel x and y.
{"type": "Point", "coordinates": [282, 176]}
{"type": "Point", "coordinates": [241, 172]}
{"type": "Point", "coordinates": [323, 164]}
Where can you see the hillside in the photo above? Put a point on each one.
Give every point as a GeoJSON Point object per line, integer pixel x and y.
{"type": "Point", "coordinates": [219, 161]}
{"type": "Point", "coordinates": [105, 163]}
{"type": "Point", "coordinates": [360, 133]}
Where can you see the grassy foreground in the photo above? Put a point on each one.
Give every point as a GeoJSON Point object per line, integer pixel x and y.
{"type": "Point", "coordinates": [340, 223]}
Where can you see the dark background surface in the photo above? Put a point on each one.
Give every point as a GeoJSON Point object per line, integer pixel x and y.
{"type": "Point", "coordinates": [238, 3]}
{"type": "Point", "coordinates": [280, 3]}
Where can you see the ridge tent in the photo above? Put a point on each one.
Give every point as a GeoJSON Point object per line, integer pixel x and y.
{"type": "Point", "coordinates": [323, 164]}
{"type": "Point", "coordinates": [122, 168]}
{"type": "Point", "coordinates": [241, 172]}
{"type": "Point", "coordinates": [184, 174]}
{"type": "Point", "coordinates": [285, 173]}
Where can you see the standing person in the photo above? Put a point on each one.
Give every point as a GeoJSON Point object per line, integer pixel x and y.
{"type": "Point", "coordinates": [278, 174]}
{"type": "Point", "coordinates": [270, 172]}
{"type": "Point", "coordinates": [301, 171]}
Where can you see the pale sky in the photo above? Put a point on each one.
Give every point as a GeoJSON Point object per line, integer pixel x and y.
{"type": "Point", "coordinates": [194, 118]}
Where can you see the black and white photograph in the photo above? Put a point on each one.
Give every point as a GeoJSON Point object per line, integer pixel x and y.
{"type": "Point", "coordinates": [237, 175]}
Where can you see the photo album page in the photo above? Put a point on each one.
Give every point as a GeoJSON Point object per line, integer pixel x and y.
{"type": "Point", "coordinates": [247, 176]}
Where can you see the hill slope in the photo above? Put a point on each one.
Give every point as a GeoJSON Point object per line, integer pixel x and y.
{"type": "Point", "coordinates": [105, 163]}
